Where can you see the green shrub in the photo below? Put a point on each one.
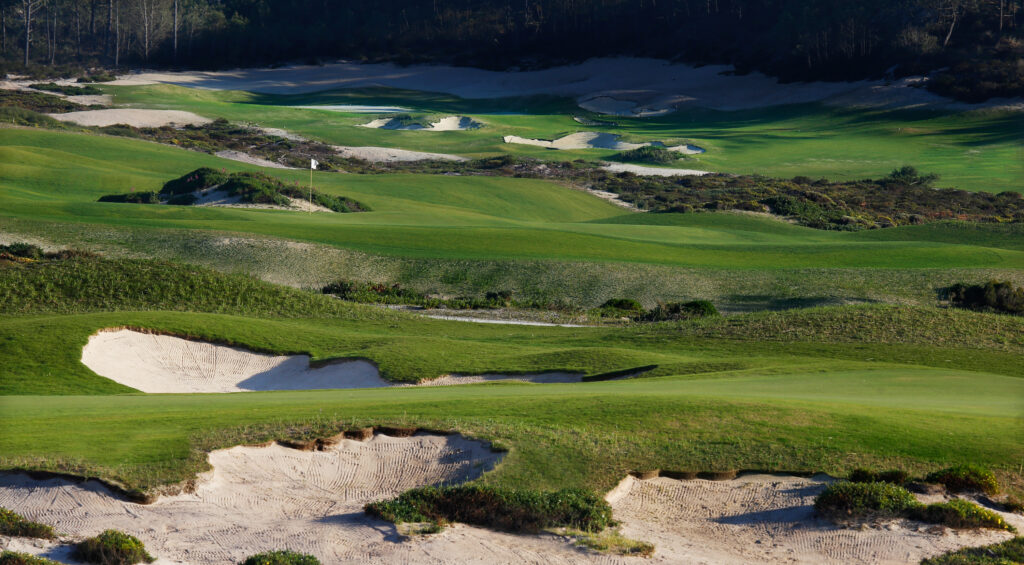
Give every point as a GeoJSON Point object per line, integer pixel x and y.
{"type": "Point", "coordinates": [132, 197]}
{"type": "Point", "coordinates": [23, 250]}
{"type": "Point", "coordinates": [965, 478]}
{"type": "Point", "coordinates": [1008, 552]}
{"type": "Point", "coordinates": [201, 178]}
{"type": "Point", "coordinates": [846, 500]}
{"type": "Point", "coordinates": [284, 557]}
{"type": "Point", "coordinates": [98, 77]}
{"type": "Point", "coordinates": [960, 514]}
{"type": "Point", "coordinates": [894, 476]}
{"type": "Point", "coordinates": [113, 548]}
{"type": "Point", "coordinates": [680, 311]}
{"type": "Point", "coordinates": [15, 558]}
{"type": "Point", "coordinates": [66, 89]}
{"type": "Point", "coordinates": [36, 102]}
{"type": "Point", "coordinates": [626, 304]}
{"type": "Point", "coordinates": [993, 296]}
{"type": "Point", "coordinates": [499, 508]}
{"type": "Point", "coordinates": [649, 154]}
{"type": "Point", "coordinates": [14, 524]}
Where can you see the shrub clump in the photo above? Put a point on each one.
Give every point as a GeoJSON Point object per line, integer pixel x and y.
{"type": "Point", "coordinates": [894, 476]}
{"type": "Point", "coordinates": [69, 90]}
{"type": "Point", "coordinates": [203, 177]}
{"type": "Point", "coordinates": [16, 558]}
{"type": "Point", "coordinates": [499, 508]}
{"type": "Point", "coordinates": [965, 478]}
{"type": "Point", "coordinates": [133, 197]}
{"type": "Point", "coordinates": [1005, 553]}
{"type": "Point", "coordinates": [113, 548]}
{"type": "Point", "coordinates": [847, 500]}
{"type": "Point", "coordinates": [960, 514]}
{"type": "Point", "coordinates": [14, 524]}
{"type": "Point", "coordinates": [284, 557]}
{"type": "Point", "coordinates": [993, 296]}
{"type": "Point", "coordinates": [650, 154]}
{"type": "Point", "coordinates": [680, 311]}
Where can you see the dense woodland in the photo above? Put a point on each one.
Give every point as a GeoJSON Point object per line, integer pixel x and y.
{"type": "Point", "coordinates": [978, 43]}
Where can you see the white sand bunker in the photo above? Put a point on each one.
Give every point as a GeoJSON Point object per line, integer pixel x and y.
{"type": "Point", "coordinates": [133, 117]}
{"type": "Point", "coordinates": [391, 155]}
{"type": "Point", "coordinates": [769, 519]}
{"type": "Point", "coordinates": [597, 140]}
{"type": "Point", "coordinates": [157, 363]}
{"type": "Point", "coordinates": [649, 171]}
{"type": "Point", "coordinates": [214, 196]}
{"type": "Point", "coordinates": [449, 123]}
{"type": "Point", "coordinates": [267, 498]}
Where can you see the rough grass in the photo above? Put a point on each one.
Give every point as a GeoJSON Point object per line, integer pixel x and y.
{"type": "Point", "coordinates": [515, 510]}
{"type": "Point", "coordinates": [613, 542]}
{"type": "Point", "coordinates": [284, 557]}
{"type": "Point", "coordinates": [13, 524]}
{"type": "Point", "coordinates": [16, 558]}
{"type": "Point", "coordinates": [113, 548]}
{"type": "Point", "coordinates": [1010, 552]}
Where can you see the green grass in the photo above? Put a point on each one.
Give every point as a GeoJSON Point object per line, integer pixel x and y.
{"type": "Point", "coordinates": [1010, 552]}
{"type": "Point", "coordinates": [972, 150]}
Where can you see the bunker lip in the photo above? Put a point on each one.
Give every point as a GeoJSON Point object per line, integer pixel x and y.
{"type": "Point", "coordinates": [164, 362]}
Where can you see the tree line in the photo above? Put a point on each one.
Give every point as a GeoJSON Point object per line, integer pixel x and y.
{"type": "Point", "coordinates": [791, 39]}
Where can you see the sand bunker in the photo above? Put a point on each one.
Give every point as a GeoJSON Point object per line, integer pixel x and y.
{"type": "Point", "coordinates": [449, 123]}
{"type": "Point", "coordinates": [597, 140]}
{"type": "Point", "coordinates": [391, 155]}
{"type": "Point", "coordinates": [157, 363]}
{"type": "Point", "coordinates": [133, 117]}
{"type": "Point", "coordinates": [648, 171]}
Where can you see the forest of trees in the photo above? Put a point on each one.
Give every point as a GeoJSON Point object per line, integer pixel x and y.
{"type": "Point", "coordinates": [979, 44]}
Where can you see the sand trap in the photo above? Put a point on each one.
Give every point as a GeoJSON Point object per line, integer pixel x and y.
{"type": "Point", "coordinates": [391, 155]}
{"type": "Point", "coordinates": [246, 158]}
{"type": "Point", "coordinates": [133, 117]}
{"type": "Point", "coordinates": [213, 196]}
{"type": "Point", "coordinates": [358, 109]}
{"type": "Point", "coordinates": [449, 123]}
{"type": "Point", "coordinates": [769, 519]}
{"type": "Point", "coordinates": [649, 171]}
{"type": "Point", "coordinates": [156, 363]}
{"type": "Point", "coordinates": [596, 140]}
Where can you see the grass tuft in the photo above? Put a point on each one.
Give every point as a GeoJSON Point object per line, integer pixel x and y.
{"type": "Point", "coordinates": [1009, 552]}
{"type": "Point", "coordinates": [845, 501]}
{"type": "Point", "coordinates": [966, 478]}
{"type": "Point", "coordinates": [960, 514]}
{"type": "Point", "coordinates": [16, 558]}
{"type": "Point", "coordinates": [284, 557]}
{"type": "Point", "coordinates": [14, 524]}
{"type": "Point", "coordinates": [113, 548]}
{"type": "Point", "coordinates": [613, 542]}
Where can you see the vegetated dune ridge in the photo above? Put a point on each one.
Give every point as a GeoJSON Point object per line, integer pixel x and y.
{"type": "Point", "coordinates": [447, 123]}
{"type": "Point", "coordinates": [157, 363]}
{"type": "Point", "coordinates": [135, 117]}
{"type": "Point", "coordinates": [621, 85]}
{"type": "Point", "coordinates": [265, 498]}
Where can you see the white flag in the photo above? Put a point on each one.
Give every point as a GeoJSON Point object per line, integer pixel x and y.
{"type": "Point", "coordinates": [313, 163]}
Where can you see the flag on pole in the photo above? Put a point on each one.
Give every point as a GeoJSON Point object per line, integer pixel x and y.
{"type": "Point", "coordinates": [313, 163]}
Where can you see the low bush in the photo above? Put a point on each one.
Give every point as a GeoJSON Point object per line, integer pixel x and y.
{"type": "Point", "coordinates": [894, 476]}
{"type": "Point", "coordinates": [37, 102]}
{"type": "Point", "coordinates": [14, 524]}
{"type": "Point", "coordinates": [15, 558]}
{"type": "Point", "coordinates": [1006, 553]}
{"type": "Point", "coordinates": [624, 304]}
{"type": "Point", "coordinates": [203, 177]}
{"type": "Point", "coordinates": [649, 154]}
{"type": "Point", "coordinates": [680, 311]}
{"type": "Point", "coordinates": [993, 296]}
{"type": "Point", "coordinates": [499, 508]}
{"type": "Point", "coordinates": [132, 197]}
{"type": "Point", "coordinates": [113, 548]}
{"type": "Point", "coordinates": [960, 514]}
{"type": "Point", "coordinates": [23, 250]}
{"type": "Point", "coordinates": [69, 90]}
{"type": "Point", "coordinates": [613, 542]}
{"type": "Point", "coordinates": [97, 77]}
{"type": "Point", "coordinates": [379, 293]}
{"type": "Point", "coordinates": [966, 478]}
{"type": "Point", "coordinates": [284, 557]}
{"type": "Point", "coordinates": [848, 500]}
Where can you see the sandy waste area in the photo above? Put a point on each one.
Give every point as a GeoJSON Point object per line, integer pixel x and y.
{"type": "Point", "coordinates": [648, 171]}
{"type": "Point", "coordinates": [448, 123]}
{"type": "Point", "coordinates": [391, 155]}
{"type": "Point", "coordinates": [156, 363]}
{"type": "Point", "coordinates": [266, 498]}
{"type": "Point", "coordinates": [133, 117]}
{"type": "Point", "coordinates": [597, 140]}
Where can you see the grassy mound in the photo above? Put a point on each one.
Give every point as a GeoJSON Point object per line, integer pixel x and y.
{"type": "Point", "coordinates": [893, 476]}
{"type": "Point", "coordinates": [95, 284]}
{"type": "Point", "coordinates": [284, 557]}
{"type": "Point", "coordinates": [1009, 552]}
{"type": "Point", "coordinates": [13, 524]}
{"type": "Point", "coordinates": [38, 102]}
{"type": "Point", "coordinates": [113, 548]}
{"type": "Point", "coordinates": [680, 311]}
{"type": "Point", "coordinates": [846, 500]}
{"type": "Point", "coordinates": [960, 514]}
{"type": "Point", "coordinates": [499, 508]}
{"type": "Point", "coordinates": [649, 154]}
{"type": "Point", "coordinates": [68, 89]}
{"type": "Point", "coordinates": [966, 478]}
{"type": "Point", "coordinates": [15, 558]}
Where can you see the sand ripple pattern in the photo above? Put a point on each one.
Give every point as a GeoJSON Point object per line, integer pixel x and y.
{"type": "Point", "coordinates": [767, 519]}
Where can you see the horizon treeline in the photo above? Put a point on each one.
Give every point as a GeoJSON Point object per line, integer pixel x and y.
{"type": "Point", "coordinates": [977, 45]}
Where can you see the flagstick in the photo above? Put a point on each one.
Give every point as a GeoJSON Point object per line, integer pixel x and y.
{"type": "Point", "coordinates": [311, 189]}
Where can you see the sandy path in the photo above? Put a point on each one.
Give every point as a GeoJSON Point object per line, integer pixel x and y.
{"type": "Point", "coordinates": [391, 155]}
{"type": "Point", "coordinates": [621, 85]}
{"type": "Point", "coordinates": [133, 117]}
{"type": "Point", "coordinates": [263, 498]}
{"type": "Point", "coordinates": [650, 171]}
{"type": "Point", "coordinates": [155, 363]}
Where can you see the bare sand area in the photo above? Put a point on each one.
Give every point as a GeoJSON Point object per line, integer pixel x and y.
{"type": "Point", "coordinates": [391, 155]}
{"type": "Point", "coordinates": [597, 140]}
{"type": "Point", "coordinates": [133, 117]}
{"type": "Point", "coordinates": [156, 363]}
{"type": "Point", "coordinates": [620, 86]}
{"type": "Point", "coordinates": [648, 171]}
{"type": "Point", "coordinates": [447, 123]}
{"type": "Point", "coordinates": [265, 498]}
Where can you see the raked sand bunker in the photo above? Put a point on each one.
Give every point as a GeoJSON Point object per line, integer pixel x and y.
{"type": "Point", "coordinates": [157, 363]}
